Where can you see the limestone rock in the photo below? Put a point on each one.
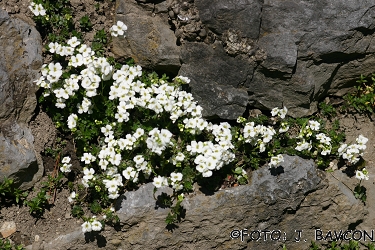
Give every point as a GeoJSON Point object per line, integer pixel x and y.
{"type": "Point", "coordinates": [276, 203]}
{"type": "Point", "coordinates": [21, 47]}
{"type": "Point", "coordinates": [8, 228]}
{"type": "Point", "coordinates": [149, 40]}
{"type": "Point", "coordinates": [216, 79]}
{"type": "Point", "coordinates": [312, 49]}
{"type": "Point", "coordinates": [295, 52]}
{"type": "Point", "coordinates": [18, 160]}
{"type": "Point", "coordinates": [285, 198]}
{"type": "Point", "coordinates": [221, 15]}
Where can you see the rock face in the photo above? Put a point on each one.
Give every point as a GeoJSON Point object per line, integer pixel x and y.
{"type": "Point", "coordinates": [18, 159]}
{"type": "Point", "coordinates": [277, 204]}
{"type": "Point", "coordinates": [284, 199]}
{"type": "Point", "coordinates": [223, 79]}
{"type": "Point", "coordinates": [290, 53]}
{"type": "Point", "coordinates": [21, 47]}
{"type": "Point", "coordinates": [150, 41]}
{"type": "Point", "coordinates": [312, 49]}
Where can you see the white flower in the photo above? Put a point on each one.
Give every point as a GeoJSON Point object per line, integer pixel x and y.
{"type": "Point", "coordinates": [71, 197]}
{"type": "Point", "coordinates": [359, 175]}
{"type": "Point", "coordinates": [76, 60]}
{"type": "Point", "coordinates": [73, 42]}
{"type": "Point", "coordinates": [127, 173]}
{"type": "Point", "coordinates": [280, 112]}
{"type": "Point", "coordinates": [283, 112]}
{"type": "Point", "coordinates": [88, 158]}
{"type": "Point", "coordinates": [85, 182]}
{"type": "Point", "coordinates": [160, 181]}
{"type": "Point", "coordinates": [86, 227]}
{"type": "Point", "coordinates": [96, 225]}
{"type": "Point", "coordinates": [342, 148]}
{"type": "Point", "coordinates": [65, 168]}
{"type": "Point", "coordinates": [276, 160]}
{"type": "Point", "coordinates": [55, 69]}
{"type": "Point", "coordinates": [53, 47]}
{"type": "Point", "coordinates": [66, 159]}
{"type": "Point", "coordinates": [275, 111]}
{"type": "Point", "coordinates": [138, 159]}
{"type": "Point", "coordinates": [138, 133]}
{"type": "Point", "coordinates": [72, 121]}
{"type": "Point", "coordinates": [88, 173]}
{"type": "Point", "coordinates": [365, 173]}
{"type": "Point", "coordinates": [107, 130]}
{"type": "Point", "coordinates": [111, 185]}
{"type": "Point", "coordinates": [323, 138]}
{"type": "Point", "coordinates": [176, 186]}
{"type": "Point", "coordinates": [176, 177]}
{"type": "Point", "coordinates": [118, 29]}
{"type": "Point", "coordinates": [361, 140]}
{"type": "Point", "coordinates": [184, 79]}
{"type": "Point", "coordinates": [303, 146]}
{"type": "Point", "coordinates": [207, 173]}
{"type": "Point", "coordinates": [284, 127]}
{"type": "Point", "coordinates": [314, 125]}
{"type": "Point", "coordinates": [116, 159]}
{"type": "Point", "coordinates": [37, 9]}
{"type": "Point", "coordinates": [113, 195]}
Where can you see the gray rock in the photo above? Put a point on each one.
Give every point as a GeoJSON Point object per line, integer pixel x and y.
{"type": "Point", "coordinates": [21, 47]}
{"type": "Point", "coordinates": [65, 241]}
{"type": "Point", "coordinates": [285, 198]}
{"type": "Point", "coordinates": [149, 40]}
{"type": "Point", "coordinates": [216, 79]}
{"type": "Point", "coordinates": [332, 47]}
{"type": "Point", "coordinates": [291, 53]}
{"type": "Point", "coordinates": [17, 156]}
{"type": "Point", "coordinates": [279, 202]}
{"type": "Point", "coordinates": [133, 207]}
{"type": "Point", "coordinates": [221, 15]}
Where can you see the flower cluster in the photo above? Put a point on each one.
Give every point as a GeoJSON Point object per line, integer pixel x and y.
{"type": "Point", "coordinates": [276, 160]}
{"type": "Point", "coordinates": [91, 225]}
{"type": "Point", "coordinates": [37, 9]}
{"type": "Point", "coordinates": [362, 175]}
{"type": "Point", "coordinates": [159, 140]}
{"type": "Point", "coordinates": [354, 151]}
{"type": "Point", "coordinates": [324, 144]}
{"type": "Point", "coordinates": [118, 29]}
{"type": "Point", "coordinates": [211, 156]}
{"type": "Point", "coordinates": [308, 135]}
{"type": "Point", "coordinates": [128, 93]}
{"type": "Point", "coordinates": [258, 135]}
{"type": "Point", "coordinates": [174, 179]}
{"type": "Point", "coordinates": [65, 168]}
{"type": "Point", "coordinates": [284, 127]}
{"type": "Point", "coordinates": [279, 112]}
{"type": "Point", "coordinates": [113, 184]}
{"type": "Point", "coordinates": [160, 181]}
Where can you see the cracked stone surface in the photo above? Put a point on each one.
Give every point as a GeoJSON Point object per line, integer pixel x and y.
{"type": "Point", "coordinates": [291, 53]}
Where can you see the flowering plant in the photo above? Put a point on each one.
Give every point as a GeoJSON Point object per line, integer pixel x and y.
{"type": "Point", "coordinates": [360, 191]}
{"type": "Point", "coordinates": [132, 126]}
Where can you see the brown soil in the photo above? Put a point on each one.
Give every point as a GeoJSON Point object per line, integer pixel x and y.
{"type": "Point", "coordinates": [57, 220]}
